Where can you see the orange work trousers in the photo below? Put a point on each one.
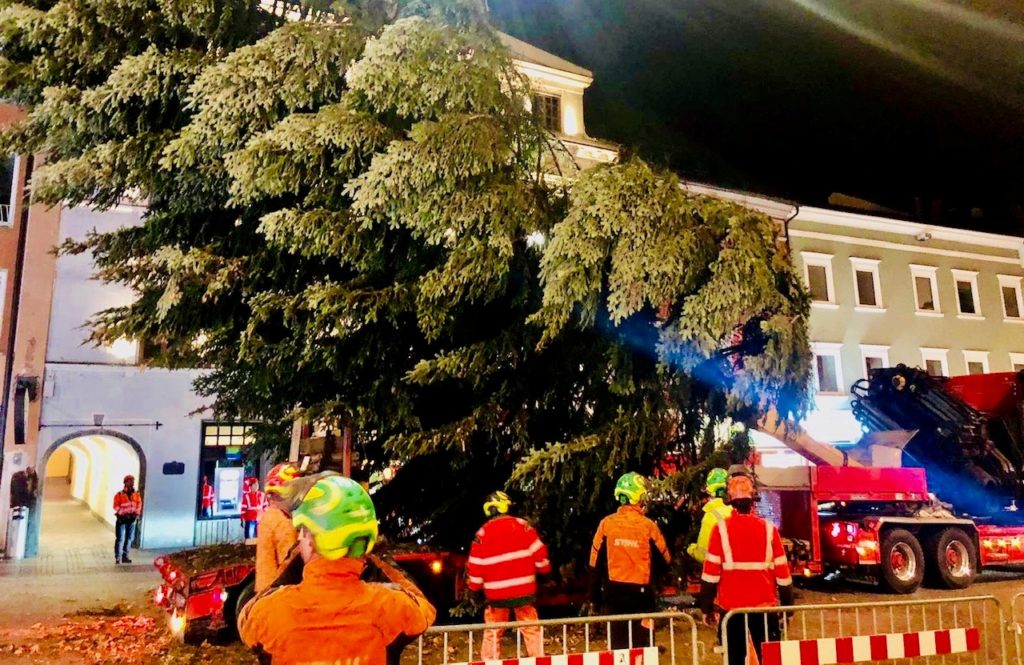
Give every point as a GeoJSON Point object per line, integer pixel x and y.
{"type": "Point", "coordinates": [491, 648]}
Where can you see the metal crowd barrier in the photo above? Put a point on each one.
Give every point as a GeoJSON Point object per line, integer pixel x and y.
{"type": "Point", "coordinates": [1016, 626]}
{"type": "Point", "coordinates": [948, 630]}
{"type": "Point", "coordinates": [664, 638]}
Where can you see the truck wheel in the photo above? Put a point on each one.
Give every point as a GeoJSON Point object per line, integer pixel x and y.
{"type": "Point", "coordinates": [902, 561]}
{"type": "Point", "coordinates": [247, 593]}
{"type": "Point", "coordinates": [952, 559]}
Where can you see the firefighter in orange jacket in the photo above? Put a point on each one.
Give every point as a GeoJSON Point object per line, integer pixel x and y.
{"type": "Point", "coordinates": [332, 616]}
{"type": "Point", "coordinates": [127, 509]}
{"type": "Point", "coordinates": [745, 566]}
{"type": "Point", "coordinates": [626, 549]}
{"type": "Point", "coordinates": [504, 560]}
{"type": "Point", "coordinates": [254, 502]}
{"type": "Point", "coordinates": [276, 534]}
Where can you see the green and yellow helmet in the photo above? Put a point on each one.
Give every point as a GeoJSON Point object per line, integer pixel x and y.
{"type": "Point", "coordinates": [631, 488]}
{"type": "Point", "coordinates": [340, 515]}
{"type": "Point", "coordinates": [497, 503]}
{"type": "Point", "coordinates": [716, 481]}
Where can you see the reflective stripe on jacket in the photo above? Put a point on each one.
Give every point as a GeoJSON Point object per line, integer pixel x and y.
{"type": "Point", "coordinates": [127, 505]}
{"type": "Point", "coordinates": [275, 539]}
{"type": "Point", "coordinates": [747, 561]}
{"type": "Point", "coordinates": [334, 617]}
{"type": "Point", "coordinates": [504, 560]}
{"type": "Point", "coordinates": [628, 539]}
{"type": "Point", "coordinates": [254, 502]}
{"type": "Point", "coordinates": [715, 511]}
{"type": "Point", "coordinates": [208, 496]}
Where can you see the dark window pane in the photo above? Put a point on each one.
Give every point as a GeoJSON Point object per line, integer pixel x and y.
{"type": "Point", "coordinates": [925, 298]}
{"type": "Point", "coordinates": [934, 367]}
{"type": "Point", "coordinates": [866, 288]}
{"type": "Point", "coordinates": [1010, 302]}
{"type": "Point", "coordinates": [965, 296]}
{"type": "Point", "coordinates": [817, 282]}
{"type": "Point", "coordinates": [872, 363]}
{"type": "Point", "coordinates": [7, 175]}
{"type": "Point", "coordinates": [974, 367]}
{"type": "Point", "coordinates": [828, 382]}
{"type": "Point", "coordinates": [548, 109]}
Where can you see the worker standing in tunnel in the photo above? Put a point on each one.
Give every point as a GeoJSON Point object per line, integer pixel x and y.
{"type": "Point", "coordinates": [127, 509]}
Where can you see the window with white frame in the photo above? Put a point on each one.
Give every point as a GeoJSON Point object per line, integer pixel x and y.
{"type": "Point", "coordinates": [967, 301]}
{"type": "Point", "coordinates": [926, 290]}
{"type": "Point", "coordinates": [1009, 293]}
{"type": "Point", "coordinates": [828, 367]}
{"type": "Point", "coordinates": [977, 362]}
{"type": "Point", "coordinates": [866, 284]}
{"type": "Point", "coordinates": [818, 276]}
{"type": "Point", "coordinates": [8, 189]}
{"type": "Point", "coordinates": [935, 361]}
{"type": "Point", "coordinates": [874, 357]}
{"type": "Point", "coordinates": [1017, 362]}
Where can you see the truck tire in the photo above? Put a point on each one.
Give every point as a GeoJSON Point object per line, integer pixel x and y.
{"type": "Point", "coordinates": [247, 593]}
{"type": "Point", "coordinates": [902, 561]}
{"type": "Point", "coordinates": [952, 559]}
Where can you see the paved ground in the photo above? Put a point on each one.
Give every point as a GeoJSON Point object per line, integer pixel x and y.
{"type": "Point", "coordinates": [74, 605]}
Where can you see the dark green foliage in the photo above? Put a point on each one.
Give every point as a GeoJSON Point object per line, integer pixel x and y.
{"type": "Point", "coordinates": [339, 210]}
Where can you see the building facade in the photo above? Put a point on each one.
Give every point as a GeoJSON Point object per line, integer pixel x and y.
{"type": "Point", "coordinates": [888, 291]}
{"type": "Point", "coordinates": [91, 415]}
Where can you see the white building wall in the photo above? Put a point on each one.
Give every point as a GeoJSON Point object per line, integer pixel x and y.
{"type": "Point", "coordinates": [149, 406]}
{"type": "Point", "coordinates": [133, 401]}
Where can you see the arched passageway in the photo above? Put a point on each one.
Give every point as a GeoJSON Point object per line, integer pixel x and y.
{"type": "Point", "coordinates": [82, 475]}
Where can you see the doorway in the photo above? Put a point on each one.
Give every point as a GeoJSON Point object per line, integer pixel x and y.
{"type": "Point", "coordinates": [81, 476]}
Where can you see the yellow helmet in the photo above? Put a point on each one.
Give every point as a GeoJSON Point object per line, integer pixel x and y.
{"type": "Point", "coordinates": [497, 503]}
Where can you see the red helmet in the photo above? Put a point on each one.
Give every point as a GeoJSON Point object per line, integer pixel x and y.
{"type": "Point", "coordinates": [250, 483]}
{"type": "Point", "coordinates": [129, 479]}
{"type": "Point", "coordinates": [280, 476]}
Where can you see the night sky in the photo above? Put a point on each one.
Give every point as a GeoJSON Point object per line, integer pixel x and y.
{"type": "Point", "coordinates": [914, 104]}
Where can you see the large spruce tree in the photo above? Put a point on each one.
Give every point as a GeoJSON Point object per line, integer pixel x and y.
{"type": "Point", "coordinates": [353, 217]}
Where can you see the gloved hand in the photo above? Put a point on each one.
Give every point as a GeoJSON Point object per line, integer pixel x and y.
{"type": "Point", "coordinates": [589, 610]}
{"type": "Point", "coordinates": [710, 619]}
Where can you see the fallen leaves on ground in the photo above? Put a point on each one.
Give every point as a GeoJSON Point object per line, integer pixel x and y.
{"type": "Point", "coordinates": [123, 634]}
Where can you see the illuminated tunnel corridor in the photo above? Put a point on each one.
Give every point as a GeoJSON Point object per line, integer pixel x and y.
{"type": "Point", "coordinates": [82, 476]}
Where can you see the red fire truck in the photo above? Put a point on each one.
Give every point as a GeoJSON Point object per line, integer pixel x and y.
{"type": "Point", "coordinates": [929, 494]}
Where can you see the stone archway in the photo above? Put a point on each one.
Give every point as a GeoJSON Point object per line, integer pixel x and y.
{"type": "Point", "coordinates": [102, 455]}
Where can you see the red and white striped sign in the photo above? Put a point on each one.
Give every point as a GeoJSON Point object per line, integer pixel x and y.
{"type": "Point", "coordinates": [644, 656]}
{"type": "Point", "coordinates": [870, 648]}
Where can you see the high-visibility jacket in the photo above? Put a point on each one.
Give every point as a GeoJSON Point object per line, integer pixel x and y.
{"type": "Point", "coordinates": [254, 502]}
{"type": "Point", "coordinates": [747, 562]}
{"type": "Point", "coordinates": [208, 496]}
{"type": "Point", "coordinates": [275, 539]}
{"type": "Point", "coordinates": [715, 511]}
{"type": "Point", "coordinates": [125, 505]}
{"type": "Point", "coordinates": [334, 617]}
{"type": "Point", "coordinates": [626, 540]}
{"type": "Point", "coordinates": [504, 560]}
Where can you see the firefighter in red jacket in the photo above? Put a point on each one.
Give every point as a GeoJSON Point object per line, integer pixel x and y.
{"type": "Point", "coordinates": [504, 561]}
{"type": "Point", "coordinates": [745, 566]}
{"type": "Point", "coordinates": [254, 502]}
{"type": "Point", "coordinates": [127, 509]}
{"type": "Point", "coordinates": [208, 497]}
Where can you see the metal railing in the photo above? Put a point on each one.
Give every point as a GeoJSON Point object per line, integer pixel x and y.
{"type": "Point", "coordinates": [1016, 626]}
{"type": "Point", "coordinates": [663, 638]}
{"type": "Point", "coordinates": [954, 630]}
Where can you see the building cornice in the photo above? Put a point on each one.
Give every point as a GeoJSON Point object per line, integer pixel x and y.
{"type": "Point", "coordinates": [912, 229]}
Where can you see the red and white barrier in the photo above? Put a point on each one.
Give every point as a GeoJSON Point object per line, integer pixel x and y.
{"type": "Point", "coordinates": [644, 656]}
{"type": "Point", "coordinates": [871, 648]}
